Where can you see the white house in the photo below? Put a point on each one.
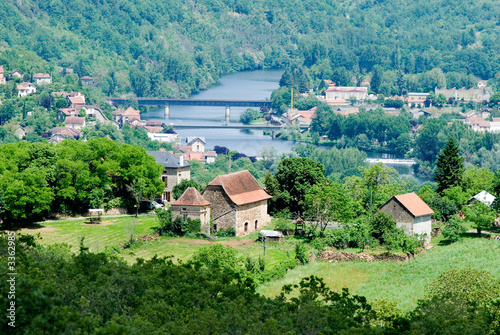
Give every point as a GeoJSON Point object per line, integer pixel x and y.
{"type": "Point", "coordinates": [42, 78]}
{"type": "Point", "coordinates": [24, 89]}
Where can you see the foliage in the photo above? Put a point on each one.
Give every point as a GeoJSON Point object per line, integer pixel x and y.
{"type": "Point", "coordinates": [301, 253]}
{"type": "Point", "coordinates": [454, 229]}
{"type": "Point", "coordinates": [228, 232]}
{"type": "Point", "coordinates": [248, 116]}
{"type": "Point", "coordinates": [338, 238]}
{"type": "Point", "coordinates": [449, 167]}
{"type": "Point", "coordinates": [481, 215]}
{"type": "Point", "coordinates": [381, 225]}
{"type": "Point", "coordinates": [179, 189]}
{"type": "Point", "coordinates": [295, 176]}
{"type": "Point", "coordinates": [398, 239]}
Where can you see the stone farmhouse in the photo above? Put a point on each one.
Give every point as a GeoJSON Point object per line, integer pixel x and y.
{"type": "Point", "coordinates": [174, 171]}
{"type": "Point", "coordinates": [238, 201]}
{"type": "Point", "coordinates": [128, 116]}
{"type": "Point", "coordinates": [192, 205]}
{"type": "Point", "coordinates": [410, 213]}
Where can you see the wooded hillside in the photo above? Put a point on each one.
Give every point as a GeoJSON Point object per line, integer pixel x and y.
{"type": "Point", "coordinates": [174, 48]}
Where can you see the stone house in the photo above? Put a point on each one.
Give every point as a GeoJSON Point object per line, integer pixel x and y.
{"type": "Point", "coordinates": [174, 171]}
{"type": "Point", "coordinates": [24, 89]}
{"type": "Point", "coordinates": [410, 213]}
{"type": "Point", "coordinates": [76, 102]}
{"type": "Point", "coordinates": [197, 144]}
{"type": "Point", "coordinates": [42, 78]}
{"type": "Point", "coordinates": [15, 74]}
{"type": "Point", "coordinates": [127, 116]}
{"type": "Point", "coordinates": [238, 201]}
{"type": "Point", "coordinates": [192, 205]}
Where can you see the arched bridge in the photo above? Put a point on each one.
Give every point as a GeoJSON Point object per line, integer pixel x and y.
{"type": "Point", "coordinates": [192, 102]}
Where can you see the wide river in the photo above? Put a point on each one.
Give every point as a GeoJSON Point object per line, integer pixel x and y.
{"type": "Point", "coordinates": [252, 85]}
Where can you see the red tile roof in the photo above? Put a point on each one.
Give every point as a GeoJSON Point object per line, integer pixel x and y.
{"type": "Point", "coordinates": [241, 187]}
{"type": "Point", "coordinates": [77, 99]}
{"type": "Point", "coordinates": [191, 197]}
{"type": "Point", "coordinates": [41, 75]}
{"type": "Point", "coordinates": [413, 203]}
{"type": "Point", "coordinates": [75, 120]}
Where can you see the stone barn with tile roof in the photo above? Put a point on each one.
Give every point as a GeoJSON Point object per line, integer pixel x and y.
{"type": "Point", "coordinates": [192, 205]}
{"type": "Point", "coordinates": [410, 213]}
{"type": "Point", "coordinates": [238, 201]}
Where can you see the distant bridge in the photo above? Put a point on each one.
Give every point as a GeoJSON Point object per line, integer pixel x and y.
{"type": "Point", "coordinates": [232, 126]}
{"type": "Point", "coordinates": [192, 102]}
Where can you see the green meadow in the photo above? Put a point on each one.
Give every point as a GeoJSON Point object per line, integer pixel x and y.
{"type": "Point", "coordinates": [400, 282]}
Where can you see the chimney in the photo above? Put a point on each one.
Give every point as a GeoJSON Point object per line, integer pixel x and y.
{"type": "Point", "coordinates": [181, 160]}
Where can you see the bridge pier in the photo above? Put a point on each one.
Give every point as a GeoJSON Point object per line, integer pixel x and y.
{"type": "Point", "coordinates": [273, 134]}
{"type": "Point", "coordinates": [228, 113]}
{"type": "Point", "coordinates": [167, 112]}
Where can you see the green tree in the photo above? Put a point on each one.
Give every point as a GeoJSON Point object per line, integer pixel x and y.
{"type": "Point", "coordinates": [449, 167]}
{"type": "Point", "coordinates": [247, 116]}
{"type": "Point", "coordinates": [183, 185]}
{"type": "Point", "coordinates": [295, 176]}
{"type": "Point", "coordinates": [481, 215]}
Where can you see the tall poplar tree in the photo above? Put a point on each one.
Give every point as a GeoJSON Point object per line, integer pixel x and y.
{"type": "Point", "coordinates": [449, 167]}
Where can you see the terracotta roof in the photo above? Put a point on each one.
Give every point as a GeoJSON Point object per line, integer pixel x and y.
{"type": "Point", "coordinates": [24, 85]}
{"type": "Point", "coordinates": [86, 78]}
{"type": "Point", "coordinates": [152, 129]}
{"type": "Point", "coordinates": [241, 187]}
{"type": "Point", "coordinates": [153, 123]}
{"type": "Point", "coordinates": [67, 111]}
{"type": "Point", "coordinates": [1, 69]}
{"type": "Point", "coordinates": [131, 111]}
{"type": "Point", "coordinates": [75, 120]}
{"type": "Point", "coordinates": [210, 153]}
{"type": "Point", "coordinates": [346, 89]}
{"type": "Point", "coordinates": [77, 99]}
{"type": "Point", "coordinates": [496, 119]}
{"type": "Point", "coordinates": [191, 197]}
{"type": "Point", "coordinates": [41, 75]}
{"type": "Point", "coordinates": [413, 203]}
{"type": "Point", "coordinates": [66, 132]}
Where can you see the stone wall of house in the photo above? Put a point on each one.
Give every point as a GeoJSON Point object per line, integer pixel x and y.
{"type": "Point", "coordinates": [251, 217]}
{"type": "Point", "coordinates": [201, 213]}
{"type": "Point", "coordinates": [402, 217]}
{"type": "Point", "coordinates": [223, 209]}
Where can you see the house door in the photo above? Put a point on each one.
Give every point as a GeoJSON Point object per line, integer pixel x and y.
{"type": "Point", "coordinates": [246, 227]}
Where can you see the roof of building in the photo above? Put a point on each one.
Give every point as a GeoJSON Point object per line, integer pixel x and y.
{"type": "Point", "coordinates": [41, 76]}
{"type": "Point", "coordinates": [153, 123]}
{"type": "Point", "coordinates": [414, 205]}
{"type": "Point", "coordinates": [192, 139]}
{"type": "Point", "coordinates": [75, 120]}
{"type": "Point", "coordinates": [191, 197]}
{"type": "Point", "coordinates": [66, 132]}
{"type": "Point", "coordinates": [241, 187]}
{"type": "Point", "coordinates": [153, 129]}
{"type": "Point", "coordinates": [67, 111]}
{"type": "Point", "coordinates": [24, 85]}
{"type": "Point", "coordinates": [271, 233]}
{"type": "Point", "coordinates": [1, 69]}
{"type": "Point", "coordinates": [79, 99]}
{"type": "Point", "coordinates": [484, 197]}
{"type": "Point", "coordinates": [495, 119]}
{"type": "Point", "coordinates": [166, 159]}
{"type": "Point", "coordinates": [346, 89]}
{"type": "Point", "coordinates": [86, 78]}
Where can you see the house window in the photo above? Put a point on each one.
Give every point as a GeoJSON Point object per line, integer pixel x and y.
{"type": "Point", "coordinates": [256, 224]}
{"type": "Point", "coordinates": [246, 227]}
{"type": "Point", "coordinates": [185, 217]}
{"type": "Point", "coordinates": [165, 180]}
{"type": "Point", "coordinates": [168, 196]}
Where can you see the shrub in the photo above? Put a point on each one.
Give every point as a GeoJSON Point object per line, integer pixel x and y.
{"type": "Point", "coordinates": [360, 235]}
{"type": "Point", "coordinates": [397, 239]}
{"type": "Point", "coordinates": [454, 229]}
{"type": "Point", "coordinates": [229, 232]}
{"type": "Point", "coordinates": [319, 245]}
{"type": "Point", "coordinates": [338, 238]}
{"type": "Point", "coordinates": [193, 226]}
{"type": "Point", "coordinates": [301, 254]}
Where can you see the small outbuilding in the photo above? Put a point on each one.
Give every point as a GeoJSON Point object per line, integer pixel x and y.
{"type": "Point", "coordinates": [411, 214]}
{"type": "Point", "coordinates": [484, 198]}
{"type": "Point", "coordinates": [192, 205]}
{"type": "Point", "coordinates": [272, 236]}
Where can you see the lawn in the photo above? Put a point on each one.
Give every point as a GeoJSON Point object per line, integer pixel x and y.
{"type": "Point", "coordinates": [401, 282]}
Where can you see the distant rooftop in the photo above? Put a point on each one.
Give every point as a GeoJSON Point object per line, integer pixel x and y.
{"type": "Point", "coordinates": [166, 159]}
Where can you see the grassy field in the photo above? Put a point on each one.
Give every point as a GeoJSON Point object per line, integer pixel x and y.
{"type": "Point", "coordinates": [401, 282]}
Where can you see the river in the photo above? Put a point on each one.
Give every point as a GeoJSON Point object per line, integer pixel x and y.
{"type": "Point", "coordinates": [251, 85]}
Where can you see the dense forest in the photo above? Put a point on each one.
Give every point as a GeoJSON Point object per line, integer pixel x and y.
{"type": "Point", "coordinates": [175, 48]}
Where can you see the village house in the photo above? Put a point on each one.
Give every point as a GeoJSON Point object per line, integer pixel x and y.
{"type": "Point", "coordinates": [94, 112]}
{"type": "Point", "coordinates": [477, 123]}
{"type": "Point", "coordinates": [2, 78]}
{"type": "Point", "coordinates": [15, 74]}
{"type": "Point", "coordinates": [42, 78]}
{"type": "Point", "coordinates": [76, 101]}
{"type": "Point", "coordinates": [416, 98]}
{"type": "Point", "coordinates": [238, 201]}
{"type": "Point", "coordinates": [174, 171]}
{"type": "Point", "coordinates": [75, 122]}
{"type": "Point", "coordinates": [197, 144]}
{"type": "Point", "coordinates": [339, 94]}
{"type": "Point", "coordinates": [58, 134]}
{"type": "Point", "coordinates": [87, 80]}
{"type": "Point", "coordinates": [417, 112]}
{"type": "Point", "coordinates": [495, 124]}
{"type": "Point", "coordinates": [483, 197]}
{"type": "Point", "coordinates": [24, 89]}
{"type": "Point", "coordinates": [410, 213]}
{"type": "Point", "coordinates": [192, 205]}
{"type": "Point", "coordinates": [128, 116]}
{"type": "Point", "coordinates": [63, 113]}
{"type": "Point", "coordinates": [195, 149]}
{"type": "Point", "coordinates": [65, 71]}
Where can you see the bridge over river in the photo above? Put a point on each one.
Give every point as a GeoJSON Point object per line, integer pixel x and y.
{"type": "Point", "coordinates": [166, 103]}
